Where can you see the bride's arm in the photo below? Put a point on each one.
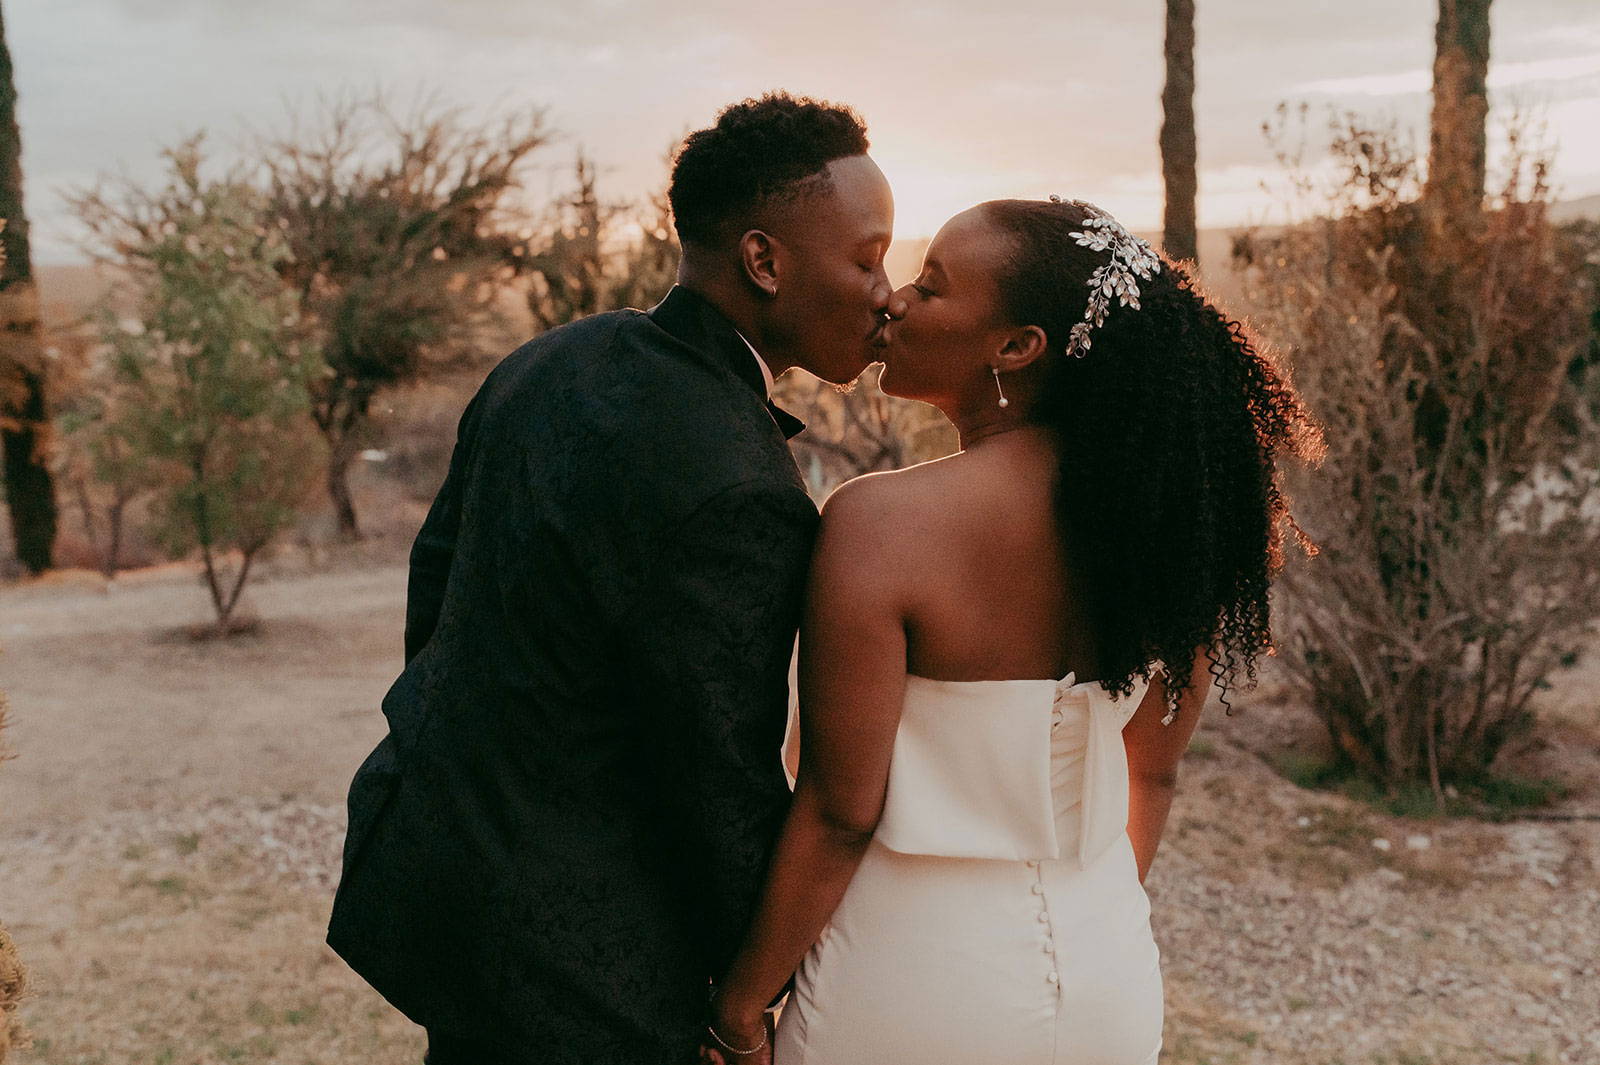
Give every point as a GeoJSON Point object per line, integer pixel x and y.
{"type": "Point", "coordinates": [1154, 751]}
{"type": "Point", "coordinates": [852, 684]}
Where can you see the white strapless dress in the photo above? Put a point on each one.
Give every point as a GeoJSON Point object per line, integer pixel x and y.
{"type": "Point", "coordinates": [997, 915]}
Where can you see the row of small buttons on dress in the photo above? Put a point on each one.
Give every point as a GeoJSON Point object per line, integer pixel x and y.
{"type": "Point", "coordinates": [1047, 942]}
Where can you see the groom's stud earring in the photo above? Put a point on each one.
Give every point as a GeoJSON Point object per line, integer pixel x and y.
{"type": "Point", "coordinates": [1004, 402]}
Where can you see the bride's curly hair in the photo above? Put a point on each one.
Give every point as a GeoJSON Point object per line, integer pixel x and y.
{"type": "Point", "coordinates": [1170, 431]}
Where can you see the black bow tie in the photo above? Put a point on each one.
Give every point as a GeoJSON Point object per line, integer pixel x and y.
{"type": "Point", "coordinates": [788, 423]}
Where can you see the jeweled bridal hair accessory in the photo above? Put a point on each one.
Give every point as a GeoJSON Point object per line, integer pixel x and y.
{"type": "Point", "coordinates": [1132, 261]}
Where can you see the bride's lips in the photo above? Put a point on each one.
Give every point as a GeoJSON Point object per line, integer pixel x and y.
{"type": "Point", "coordinates": [880, 335]}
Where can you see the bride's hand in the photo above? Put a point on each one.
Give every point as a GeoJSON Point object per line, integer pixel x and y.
{"type": "Point", "coordinates": [738, 1028]}
{"type": "Point", "coordinates": [712, 1054]}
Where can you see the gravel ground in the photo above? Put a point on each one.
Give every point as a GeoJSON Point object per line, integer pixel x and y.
{"type": "Point", "coordinates": [1287, 935]}
{"type": "Point", "coordinates": [1301, 927]}
{"type": "Point", "coordinates": [172, 911]}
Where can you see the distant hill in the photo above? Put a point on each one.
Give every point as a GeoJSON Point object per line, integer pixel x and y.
{"type": "Point", "coordinates": [1568, 210]}
{"type": "Point", "coordinates": [70, 290]}
{"type": "Point", "coordinates": [905, 258]}
{"type": "Point", "coordinates": [1216, 247]}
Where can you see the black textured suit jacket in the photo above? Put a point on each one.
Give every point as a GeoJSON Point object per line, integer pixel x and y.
{"type": "Point", "coordinates": [563, 835]}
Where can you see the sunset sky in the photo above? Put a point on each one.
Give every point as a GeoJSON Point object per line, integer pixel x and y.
{"type": "Point", "coordinates": [1018, 98]}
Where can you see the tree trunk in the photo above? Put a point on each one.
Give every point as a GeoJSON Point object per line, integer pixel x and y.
{"type": "Point", "coordinates": [225, 598]}
{"type": "Point", "coordinates": [341, 453]}
{"type": "Point", "coordinates": [1458, 137]}
{"type": "Point", "coordinates": [24, 412]}
{"type": "Point", "coordinates": [113, 555]}
{"type": "Point", "coordinates": [339, 415]}
{"type": "Point", "coordinates": [30, 490]}
{"type": "Point", "coordinates": [1179, 236]}
{"type": "Point", "coordinates": [91, 528]}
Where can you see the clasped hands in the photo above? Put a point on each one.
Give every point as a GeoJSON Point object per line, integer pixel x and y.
{"type": "Point", "coordinates": [736, 1036]}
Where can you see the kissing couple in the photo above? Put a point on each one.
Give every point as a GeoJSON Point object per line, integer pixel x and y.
{"type": "Point", "coordinates": [577, 844]}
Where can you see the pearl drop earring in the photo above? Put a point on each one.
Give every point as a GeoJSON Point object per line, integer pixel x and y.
{"type": "Point", "coordinates": [1004, 402]}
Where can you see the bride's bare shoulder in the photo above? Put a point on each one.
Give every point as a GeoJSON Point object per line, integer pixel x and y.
{"type": "Point", "coordinates": [893, 504]}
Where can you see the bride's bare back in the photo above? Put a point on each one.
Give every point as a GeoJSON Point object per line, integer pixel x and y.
{"type": "Point", "coordinates": [990, 590]}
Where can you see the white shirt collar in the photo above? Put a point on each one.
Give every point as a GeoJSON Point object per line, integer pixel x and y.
{"type": "Point", "coordinates": [766, 371]}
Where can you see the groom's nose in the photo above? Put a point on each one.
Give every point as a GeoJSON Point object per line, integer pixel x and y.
{"type": "Point", "coordinates": [882, 293]}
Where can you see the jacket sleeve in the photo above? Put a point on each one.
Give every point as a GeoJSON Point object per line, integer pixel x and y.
{"type": "Point", "coordinates": [434, 549]}
{"type": "Point", "coordinates": [718, 608]}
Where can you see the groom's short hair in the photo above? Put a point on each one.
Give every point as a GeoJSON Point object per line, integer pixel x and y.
{"type": "Point", "coordinates": [761, 151]}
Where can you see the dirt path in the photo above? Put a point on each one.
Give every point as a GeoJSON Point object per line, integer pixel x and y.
{"type": "Point", "coordinates": [170, 833]}
{"type": "Point", "coordinates": [114, 709]}
{"type": "Point", "coordinates": [170, 828]}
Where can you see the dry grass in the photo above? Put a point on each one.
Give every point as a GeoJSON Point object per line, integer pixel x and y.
{"type": "Point", "coordinates": [13, 985]}
{"type": "Point", "coordinates": [13, 975]}
{"type": "Point", "coordinates": [173, 818]}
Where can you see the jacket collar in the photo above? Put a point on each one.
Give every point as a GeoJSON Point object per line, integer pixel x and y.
{"type": "Point", "coordinates": [693, 319]}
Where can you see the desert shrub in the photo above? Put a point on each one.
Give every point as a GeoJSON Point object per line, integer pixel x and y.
{"type": "Point", "coordinates": [1580, 241]}
{"type": "Point", "coordinates": [100, 470]}
{"type": "Point", "coordinates": [13, 983]}
{"type": "Point", "coordinates": [398, 246]}
{"type": "Point", "coordinates": [1458, 509]}
{"type": "Point", "coordinates": [400, 249]}
{"type": "Point", "coordinates": [584, 260]}
{"type": "Point", "coordinates": [13, 976]}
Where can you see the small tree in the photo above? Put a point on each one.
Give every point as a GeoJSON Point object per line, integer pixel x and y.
{"type": "Point", "coordinates": [1457, 506]}
{"type": "Point", "coordinates": [217, 381]}
{"type": "Point", "coordinates": [398, 250]}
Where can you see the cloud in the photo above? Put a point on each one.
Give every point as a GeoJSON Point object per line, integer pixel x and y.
{"type": "Point", "coordinates": [1537, 73]}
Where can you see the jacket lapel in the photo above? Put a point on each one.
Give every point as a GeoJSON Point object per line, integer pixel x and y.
{"type": "Point", "coordinates": [691, 318]}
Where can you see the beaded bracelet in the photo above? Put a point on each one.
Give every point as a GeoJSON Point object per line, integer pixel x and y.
{"type": "Point", "coordinates": [723, 1043]}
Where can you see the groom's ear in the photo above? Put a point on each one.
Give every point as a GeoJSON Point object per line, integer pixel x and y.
{"type": "Point", "coordinates": [1021, 348]}
{"type": "Point", "coordinates": [758, 256]}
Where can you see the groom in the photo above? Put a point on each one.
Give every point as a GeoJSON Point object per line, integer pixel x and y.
{"type": "Point", "coordinates": [561, 839]}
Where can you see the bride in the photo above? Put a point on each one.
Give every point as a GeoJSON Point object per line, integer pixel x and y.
{"type": "Point", "coordinates": [1005, 654]}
